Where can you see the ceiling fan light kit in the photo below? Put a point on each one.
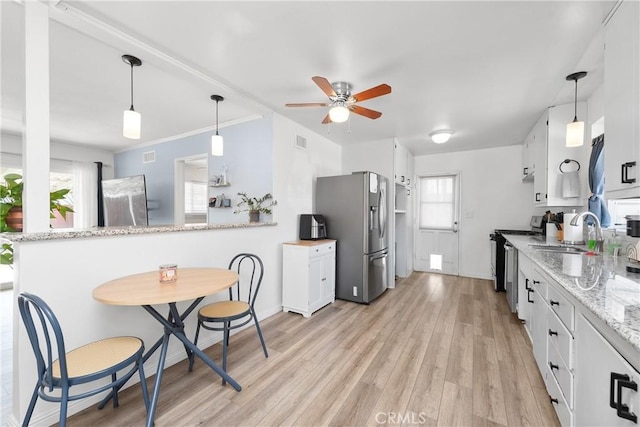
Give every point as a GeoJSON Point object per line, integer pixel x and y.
{"type": "Point", "coordinates": [131, 120]}
{"type": "Point", "coordinates": [217, 142]}
{"type": "Point", "coordinates": [575, 129]}
{"type": "Point", "coordinates": [441, 136]}
{"type": "Point", "coordinates": [342, 102]}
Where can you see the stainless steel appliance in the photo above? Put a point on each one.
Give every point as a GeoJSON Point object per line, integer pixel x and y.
{"type": "Point", "coordinates": [312, 227]}
{"type": "Point", "coordinates": [511, 275]}
{"type": "Point", "coordinates": [497, 241]}
{"type": "Point", "coordinates": [355, 209]}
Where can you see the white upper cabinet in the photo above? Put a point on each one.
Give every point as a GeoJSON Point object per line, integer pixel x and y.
{"type": "Point", "coordinates": [622, 102]}
{"type": "Point", "coordinates": [551, 151]}
{"type": "Point", "coordinates": [401, 170]}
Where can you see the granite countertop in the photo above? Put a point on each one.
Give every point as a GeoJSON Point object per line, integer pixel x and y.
{"type": "Point", "coordinates": [72, 233]}
{"type": "Point", "coordinates": [599, 282]}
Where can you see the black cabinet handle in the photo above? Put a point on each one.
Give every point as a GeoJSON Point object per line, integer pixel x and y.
{"type": "Point", "coordinates": [552, 302]}
{"type": "Point", "coordinates": [552, 333]}
{"type": "Point", "coordinates": [537, 197]}
{"type": "Point", "coordinates": [625, 173]}
{"type": "Point", "coordinates": [621, 409]}
{"type": "Point", "coordinates": [552, 366]}
{"type": "Point", "coordinates": [536, 282]}
{"type": "Point", "coordinates": [552, 400]}
{"type": "Point", "coordinates": [526, 284]}
{"type": "Point", "coordinates": [525, 171]}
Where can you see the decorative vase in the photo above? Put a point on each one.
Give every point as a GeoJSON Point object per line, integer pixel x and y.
{"type": "Point", "coordinates": [254, 216]}
{"type": "Point", "coordinates": [14, 218]}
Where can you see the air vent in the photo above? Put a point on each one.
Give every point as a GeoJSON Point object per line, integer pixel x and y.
{"type": "Point", "coordinates": [301, 142]}
{"type": "Point", "coordinates": [149, 157]}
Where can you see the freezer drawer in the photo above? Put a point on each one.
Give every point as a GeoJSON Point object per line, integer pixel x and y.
{"type": "Point", "coordinates": [376, 275]}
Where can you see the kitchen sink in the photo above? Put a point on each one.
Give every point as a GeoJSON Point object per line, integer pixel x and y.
{"type": "Point", "coordinates": [559, 249]}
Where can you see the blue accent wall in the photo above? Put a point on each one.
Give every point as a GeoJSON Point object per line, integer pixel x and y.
{"type": "Point", "coordinates": [248, 156]}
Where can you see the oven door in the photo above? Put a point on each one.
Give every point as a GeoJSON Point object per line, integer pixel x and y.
{"type": "Point", "coordinates": [511, 275]}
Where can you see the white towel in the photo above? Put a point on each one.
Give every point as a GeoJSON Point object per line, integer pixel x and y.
{"type": "Point", "coordinates": [570, 184]}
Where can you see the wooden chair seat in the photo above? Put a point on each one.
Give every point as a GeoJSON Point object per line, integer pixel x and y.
{"type": "Point", "coordinates": [98, 356]}
{"type": "Point", "coordinates": [223, 309]}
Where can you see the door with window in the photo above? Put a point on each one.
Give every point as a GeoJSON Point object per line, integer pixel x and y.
{"type": "Point", "coordinates": [436, 237]}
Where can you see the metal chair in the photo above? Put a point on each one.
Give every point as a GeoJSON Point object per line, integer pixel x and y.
{"type": "Point", "coordinates": [239, 307]}
{"type": "Point", "coordinates": [91, 362]}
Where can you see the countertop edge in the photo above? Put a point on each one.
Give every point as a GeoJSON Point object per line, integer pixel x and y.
{"type": "Point", "coordinates": [123, 231]}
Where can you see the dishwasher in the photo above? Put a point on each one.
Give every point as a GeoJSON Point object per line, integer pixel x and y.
{"type": "Point", "coordinates": [511, 275]}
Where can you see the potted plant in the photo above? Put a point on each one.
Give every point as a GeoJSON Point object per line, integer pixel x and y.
{"type": "Point", "coordinates": [255, 206]}
{"type": "Point", "coordinates": [11, 209]}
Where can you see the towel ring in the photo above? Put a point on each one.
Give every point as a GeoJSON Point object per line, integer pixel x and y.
{"type": "Point", "coordinates": [565, 161]}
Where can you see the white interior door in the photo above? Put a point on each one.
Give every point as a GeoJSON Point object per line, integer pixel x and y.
{"type": "Point", "coordinates": [436, 234]}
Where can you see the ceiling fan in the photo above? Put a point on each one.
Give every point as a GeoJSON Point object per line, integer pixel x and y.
{"type": "Point", "coordinates": [342, 101]}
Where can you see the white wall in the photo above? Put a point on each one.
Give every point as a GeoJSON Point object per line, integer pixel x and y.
{"type": "Point", "coordinates": [492, 196]}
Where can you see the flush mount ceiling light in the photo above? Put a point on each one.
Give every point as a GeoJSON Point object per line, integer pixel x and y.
{"type": "Point", "coordinates": [131, 119]}
{"type": "Point", "coordinates": [575, 129]}
{"type": "Point", "coordinates": [217, 143]}
{"type": "Point", "coordinates": [441, 136]}
{"type": "Point", "coordinates": [339, 113]}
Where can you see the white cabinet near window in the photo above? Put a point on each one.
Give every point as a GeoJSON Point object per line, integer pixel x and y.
{"type": "Point", "coordinates": [606, 384]}
{"type": "Point", "coordinates": [622, 102]}
{"type": "Point", "coordinates": [308, 275]}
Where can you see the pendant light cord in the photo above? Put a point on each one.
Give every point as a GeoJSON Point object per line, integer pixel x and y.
{"type": "Point", "coordinates": [575, 109]}
{"type": "Point", "coordinates": [217, 117]}
{"type": "Point", "coordinates": [131, 108]}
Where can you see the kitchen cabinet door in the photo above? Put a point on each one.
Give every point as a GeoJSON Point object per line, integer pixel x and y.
{"type": "Point", "coordinates": [539, 329]}
{"type": "Point", "coordinates": [525, 293]}
{"type": "Point", "coordinates": [401, 161]}
{"type": "Point", "coordinates": [622, 102]}
{"type": "Point", "coordinates": [606, 385]}
{"type": "Point", "coordinates": [540, 160]}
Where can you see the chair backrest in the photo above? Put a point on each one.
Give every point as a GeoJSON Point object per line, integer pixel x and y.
{"type": "Point", "coordinates": [45, 336]}
{"type": "Point", "coordinates": [250, 271]}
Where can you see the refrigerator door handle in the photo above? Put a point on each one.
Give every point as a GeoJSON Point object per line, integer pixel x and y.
{"type": "Point", "coordinates": [382, 213]}
{"type": "Point", "coordinates": [383, 254]}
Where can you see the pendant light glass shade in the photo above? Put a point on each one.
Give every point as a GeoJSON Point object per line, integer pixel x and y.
{"type": "Point", "coordinates": [131, 124]}
{"type": "Point", "coordinates": [575, 129]}
{"type": "Point", "coordinates": [339, 114]}
{"type": "Point", "coordinates": [575, 134]}
{"type": "Point", "coordinates": [217, 145]}
{"type": "Point", "coordinates": [217, 142]}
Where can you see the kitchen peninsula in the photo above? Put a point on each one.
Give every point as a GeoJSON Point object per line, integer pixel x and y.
{"type": "Point", "coordinates": [64, 267]}
{"type": "Point", "coordinates": [582, 313]}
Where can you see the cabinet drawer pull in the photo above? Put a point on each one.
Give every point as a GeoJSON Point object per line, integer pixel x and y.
{"type": "Point", "coordinates": [625, 173]}
{"type": "Point", "coordinates": [622, 409]}
{"type": "Point", "coordinates": [537, 197]}
{"type": "Point", "coordinates": [323, 279]}
{"type": "Point", "coordinates": [536, 282]}
{"type": "Point", "coordinates": [529, 295]}
{"type": "Point", "coordinates": [552, 400]}
{"type": "Point", "coordinates": [552, 366]}
{"type": "Point", "coordinates": [526, 284]}
{"type": "Point", "coordinates": [552, 333]}
{"type": "Point", "coordinates": [612, 387]}
{"type": "Point", "coordinates": [552, 302]}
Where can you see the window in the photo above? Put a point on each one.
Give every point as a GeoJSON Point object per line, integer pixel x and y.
{"type": "Point", "coordinates": [437, 202]}
{"type": "Point", "coordinates": [195, 197]}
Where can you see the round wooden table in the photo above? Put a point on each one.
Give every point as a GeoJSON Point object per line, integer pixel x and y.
{"type": "Point", "coordinates": [145, 290]}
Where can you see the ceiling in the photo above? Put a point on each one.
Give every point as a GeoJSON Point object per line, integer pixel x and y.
{"type": "Point", "coordinates": [485, 69]}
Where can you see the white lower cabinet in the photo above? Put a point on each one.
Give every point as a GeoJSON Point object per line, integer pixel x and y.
{"type": "Point", "coordinates": [308, 275]}
{"type": "Point", "coordinates": [539, 322]}
{"type": "Point", "coordinates": [606, 384]}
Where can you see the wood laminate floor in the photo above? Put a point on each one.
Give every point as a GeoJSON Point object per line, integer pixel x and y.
{"type": "Point", "coordinates": [437, 350]}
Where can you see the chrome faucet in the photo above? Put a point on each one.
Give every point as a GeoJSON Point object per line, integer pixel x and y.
{"type": "Point", "coordinates": [599, 237]}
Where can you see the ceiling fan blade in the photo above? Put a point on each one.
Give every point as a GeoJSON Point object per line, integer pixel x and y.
{"type": "Point", "coordinates": [324, 85]}
{"type": "Point", "coordinates": [326, 120]}
{"type": "Point", "coordinates": [374, 92]}
{"type": "Point", "coordinates": [366, 112]}
{"type": "Point", "coordinates": [308, 104]}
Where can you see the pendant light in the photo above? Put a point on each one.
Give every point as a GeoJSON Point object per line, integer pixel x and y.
{"type": "Point", "coordinates": [217, 143]}
{"type": "Point", "coordinates": [575, 129]}
{"type": "Point", "coordinates": [131, 120]}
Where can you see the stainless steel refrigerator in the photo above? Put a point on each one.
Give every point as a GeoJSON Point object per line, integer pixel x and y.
{"type": "Point", "coordinates": [355, 211]}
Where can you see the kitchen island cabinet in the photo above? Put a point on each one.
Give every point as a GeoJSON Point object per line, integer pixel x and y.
{"type": "Point", "coordinates": [584, 325]}
{"type": "Point", "coordinates": [308, 275]}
